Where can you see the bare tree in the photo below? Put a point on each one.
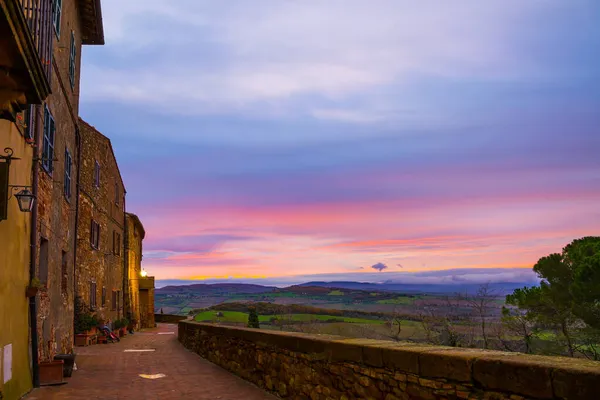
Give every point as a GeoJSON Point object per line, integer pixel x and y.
{"type": "Point", "coordinates": [482, 303]}
{"type": "Point", "coordinates": [518, 323]}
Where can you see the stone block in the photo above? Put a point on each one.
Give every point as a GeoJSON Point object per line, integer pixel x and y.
{"type": "Point", "coordinates": [579, 381]}
{"type": "Point", "coordinates": [447, 363]}
{"type": "Point", "coordinates": [514, 373]}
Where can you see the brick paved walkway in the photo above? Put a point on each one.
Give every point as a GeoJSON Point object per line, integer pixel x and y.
{"type": "Point", "coordinates": [106, 372]}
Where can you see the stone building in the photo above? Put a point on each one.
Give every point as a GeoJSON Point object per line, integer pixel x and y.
{"type": "Point", "coordinates": [100, 265]}
{"type": "Point", "coordinates": [74, 23]}
{"type": "Point", "coordinates": [25, 44]}
{"type": "Point", "coordinates": [140, 291]}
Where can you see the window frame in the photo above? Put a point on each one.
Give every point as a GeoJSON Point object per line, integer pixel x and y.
{"type": "Point", "coordinates": [56, 16]}
{"type": "Point", "coordinates": [116, 243]}
{"type": "Point", "coordinates": [93, 290]}
{"type": "Point", "coordinates": [95, 235]}
{"type": "Point", "coordinates": [103, 299]}
{"type": "Point", "coordinates": [48, 141]}
{"type": "Point", "coordinates": [68, 180]}
{"type": "Point", "coordinates": [96, 174]}
{"type": "Point", "coordinates": [72, 61]}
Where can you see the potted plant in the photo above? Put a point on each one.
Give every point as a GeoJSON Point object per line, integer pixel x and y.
{"type": "Point", "coordinates": [85, 324]}
{"type": "Point", "coordinates": [51, 372]}
{"type": "Point", "coordinates": [33, 288]}
{"type": "Point", "coordinates": [123, 328]}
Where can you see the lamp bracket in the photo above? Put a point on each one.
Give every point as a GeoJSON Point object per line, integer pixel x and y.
{"type": "Point", "coordinates": [14, 188]}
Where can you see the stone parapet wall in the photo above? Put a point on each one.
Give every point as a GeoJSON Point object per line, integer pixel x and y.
{"type": "Point", "coordinates": [169, 318]}
{"type": "Point", "coordinates": [303, 366]}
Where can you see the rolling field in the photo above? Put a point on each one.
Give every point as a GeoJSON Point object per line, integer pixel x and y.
{"type": "Point", "coordinates": [241, 317]}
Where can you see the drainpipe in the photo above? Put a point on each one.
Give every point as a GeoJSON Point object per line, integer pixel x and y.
{"type": "Point", "coordinates": [33, 254]}
{"type": "Point", "coordinates": [76, 232]}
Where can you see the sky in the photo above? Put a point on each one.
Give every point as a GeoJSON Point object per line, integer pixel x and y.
{"type": "Point", "coordinates": [267, 138]}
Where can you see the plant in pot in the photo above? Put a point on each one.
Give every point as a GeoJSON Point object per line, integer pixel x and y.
{"type": "Point", "coordinates": [123, 328]}
{"type": "Point", "coordinates": [33, 287]}
{"type": "Point", "coordinates": [51, 372]}
{"type": "Point", "coordinates": [85, 323]}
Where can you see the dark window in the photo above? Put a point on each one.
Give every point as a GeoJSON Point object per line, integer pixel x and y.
{"type": "Point", "coordinates": [64, 276]}
{"type": "Point", "coordinates": [113, 303]}
{"type": "Point", "coordinates": [116, 243]}
{"type": "Point", "coordinates": [117, 193]}
{"type": "Point", "coordinates": [67, 179]}
{"type": "Point", "coordinates": [44, 261]}
{"type": "Point", "coordinates": [30, 122]}
{"type": "Point", "coordinates": [96, 174]}
{"type": "Point", "coordinates": [72, 59]}
{"type": "Point", "coordinates": [93, 295]}
{"type": "Point", "coordinates": [48, 145]}
{"type": "Point", "coordinates": [95, 235]}
{"type": "Point", "coordinates": [103, 297]}
{"type": "Point", "coordinates": [56, 14]}
{"type": "Point", "coordinates": [118, 299]}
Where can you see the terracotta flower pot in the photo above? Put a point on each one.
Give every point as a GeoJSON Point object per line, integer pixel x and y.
{"type": "Point", "coordinates": [51, 372]}
{"type": "Point", "coordinates": [82, 339]}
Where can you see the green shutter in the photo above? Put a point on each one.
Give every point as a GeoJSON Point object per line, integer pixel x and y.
{"type": "Point", "coordinates": [3, 190]}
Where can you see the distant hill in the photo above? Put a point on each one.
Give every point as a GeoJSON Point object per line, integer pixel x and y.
{"type": "Point", "coordinates": [501, 288]}
{"type": "Point", "coordinates": [216, 289]}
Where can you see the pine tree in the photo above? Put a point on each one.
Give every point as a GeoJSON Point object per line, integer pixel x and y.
{"type": "Point", "coordinates": [253, 319]}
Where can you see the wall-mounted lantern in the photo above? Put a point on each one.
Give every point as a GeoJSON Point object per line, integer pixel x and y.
{"type": "Point", "coordinates": [143, 273]}
{"type": "Point", "coordinates": [25, 198]}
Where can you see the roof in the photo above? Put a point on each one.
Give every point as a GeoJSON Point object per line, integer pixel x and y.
{"type": "Point", "coordinates": [92, 29]}
{"type": "Point", "coordinates": [136, 221]}
{"type": "Point", "coordinates": [101, 135]}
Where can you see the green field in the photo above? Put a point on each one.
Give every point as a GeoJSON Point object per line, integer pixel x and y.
{"type": "Point", "coordinates": [241, 317]}
{"type": "Point", "coordinates": [336, 293]}
{"type": "Point", "coordinates": [398, 300]}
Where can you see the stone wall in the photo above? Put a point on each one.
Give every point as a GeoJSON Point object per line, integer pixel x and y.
{"type": "Point", "coordinates": [169, 318]}
{"type": "Point", "coordinates": [102, 203]}
{"type": "Point", "coordinates": [134, 235]}
{"type": "Point", "coordinates": [303, 366]}
{"type": "Point", "coordinates": [56, 212]}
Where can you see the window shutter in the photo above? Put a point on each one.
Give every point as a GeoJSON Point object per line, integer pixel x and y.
{"type": "Point", "coordinates": [3, 190]}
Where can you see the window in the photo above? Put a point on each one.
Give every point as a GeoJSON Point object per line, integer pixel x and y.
{"type": "Point", "coordinates": [103, 297]}
{"type": "Point", "coordinates": [43, 261]}
{"type": "Point", "coordinates": [93, 295]}
{"type": "Point", "coordinates": [95, 235]}
{"type": "Point", "coordinates": [56, 14]}
{"type": "Point", "coordinates": [117, 193]}
{"type": "Point", "coordinates": [64, 274]}
{"type": "Point", "coordinates": [118, 300]}
{"type": "Point", "coordinates": [67, 180]}
{"type": "Point", "coordinates": [72, 59]}
{"type": "Point", "coordinates": [113, 303]}
{"type": "Point", "coordinates": [96, 174]}
{"type": "Point", "coordinates": [48, 145]}
{"type": "Point", "coordinates": [116, 243]}
{"type": "Point", "coordinates": [30, 122]}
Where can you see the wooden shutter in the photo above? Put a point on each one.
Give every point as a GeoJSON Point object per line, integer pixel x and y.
{"type": "Point", "coordinates": [3, 190]}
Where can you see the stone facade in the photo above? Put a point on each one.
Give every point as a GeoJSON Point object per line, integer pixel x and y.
{"type": "Point", "coordinates": [101, 227]}
{"type": "Point", "coordinates": [302, 366]}
{"type": "Point", "coordinates": [57, 207]}
{"type": "Point", "coordinates": [140, 292]}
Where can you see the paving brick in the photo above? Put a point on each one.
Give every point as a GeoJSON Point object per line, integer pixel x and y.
{"type": "Point", "coordinates": [106, 372]}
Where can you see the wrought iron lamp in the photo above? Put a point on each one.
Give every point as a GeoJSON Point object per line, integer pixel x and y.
{"type": "Point", "coordinates": [26, 200]}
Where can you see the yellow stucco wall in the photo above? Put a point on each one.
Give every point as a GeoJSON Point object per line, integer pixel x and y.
{"type": "Point", "coordinates": [14, 271]}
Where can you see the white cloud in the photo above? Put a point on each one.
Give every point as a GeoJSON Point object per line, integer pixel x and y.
{"type": "Point", "coordinates": [221, 57]}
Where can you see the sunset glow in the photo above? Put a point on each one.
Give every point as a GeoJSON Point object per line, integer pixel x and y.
{"type": "Point", "coordinates": [280, 142]}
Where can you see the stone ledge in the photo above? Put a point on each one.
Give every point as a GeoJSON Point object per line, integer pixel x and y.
{"type": "Point", "coordinates": [434, 367]}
